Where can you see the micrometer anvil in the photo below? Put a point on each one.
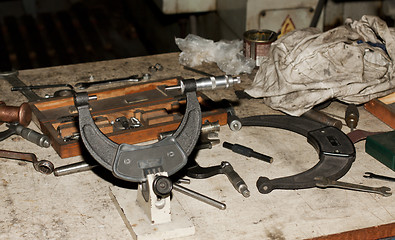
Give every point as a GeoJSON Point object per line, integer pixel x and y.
{"type": "Point", "coordinates": [132, 162]}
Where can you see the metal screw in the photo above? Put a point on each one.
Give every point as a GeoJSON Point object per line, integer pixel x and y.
{"type": "Point", "coordinates": [170, 154]}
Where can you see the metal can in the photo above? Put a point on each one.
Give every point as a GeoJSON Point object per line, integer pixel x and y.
{"type": "Point", "coordinates": [257, 44]}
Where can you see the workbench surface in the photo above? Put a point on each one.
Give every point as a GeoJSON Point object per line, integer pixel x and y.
{"type": "Point", "coordinates": [79, 206]}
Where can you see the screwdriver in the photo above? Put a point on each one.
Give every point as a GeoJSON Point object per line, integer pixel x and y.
{"type": "Point", "coordinates": [352, 116]}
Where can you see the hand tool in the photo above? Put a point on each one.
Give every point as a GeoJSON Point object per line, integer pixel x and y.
{"type": "Point", "coordinates": [21, 114]}
{"type": "Point", "coordinates": [377, 176]}
{"type": "Point", "coordinates": [169, 155]}
{"type": "Point", "coordinates": [133, 78]}
{"type": "Point", "coordinates": [207, 128]}
{"type": "Point", "coordinates": [352, 116]}
{"type": "Point", "coordinates": [336, 151]}
{"type": "Point", "coordinates": [127, 161]}
{"type": "Point", "coordinates": [43, 166]}
{"type": "Point", "coordinates": [18, 85]}
{"type": "Point", "coordinates": [27, 133]}
{"type": "Point", "coordinates": [246, 151]}
{"type": "Point", "coordinates": [226, 168]}
{"type": "Point", "coordinates": [13, 80]}
{"type": "Point", "coordinates": [323, 118]}
{"type": "Point", "coordinates": [30, 87]}
{"type": "Point", "coordinates": [325, 182]}
{"type": "Point", "coordinates": [163, 186]}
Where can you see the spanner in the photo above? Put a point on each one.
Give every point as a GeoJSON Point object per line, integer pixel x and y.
{"type": "Point", "coordinates": [326, 182]}
{"type": "Point", "coordinates": [42, 166]}
{"type": "Point", "coordinates": [133, 78]}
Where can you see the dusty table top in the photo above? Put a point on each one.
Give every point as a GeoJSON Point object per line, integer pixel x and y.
{"type": "Point", "coordinates": [79, 206]}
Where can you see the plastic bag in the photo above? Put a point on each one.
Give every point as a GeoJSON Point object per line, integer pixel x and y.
{"type": "Point", "coordinates": [227, 54]}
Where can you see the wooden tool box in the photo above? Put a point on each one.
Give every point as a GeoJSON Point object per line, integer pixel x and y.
{"type": "Point", "coordinates": [383, 108]}
{"type": "Point", "coordinates": [156, 109]}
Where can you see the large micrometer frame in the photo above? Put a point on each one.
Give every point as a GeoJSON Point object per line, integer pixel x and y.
{"type": "Point", "coordinates": [336, 151]}
{"type": "Point", "coordinates": [130, 162]}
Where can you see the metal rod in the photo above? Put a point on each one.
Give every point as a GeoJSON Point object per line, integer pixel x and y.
{"type": "Point", "coordinates": [73, 168]}
{"type": "Point", "coordinates": [199, 197]}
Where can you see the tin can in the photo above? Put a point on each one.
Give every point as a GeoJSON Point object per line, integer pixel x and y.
{"type": "Point", "coordinates": [257, 44]}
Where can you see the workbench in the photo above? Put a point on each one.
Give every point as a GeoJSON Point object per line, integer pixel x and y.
{"type": "Point", "coordinates": [79, 206]}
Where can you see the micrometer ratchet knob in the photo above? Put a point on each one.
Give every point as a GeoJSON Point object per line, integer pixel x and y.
{"type": "Point", "coordinates": [208, 83]}
{"type": "Point", "coordinates": [352, 116]}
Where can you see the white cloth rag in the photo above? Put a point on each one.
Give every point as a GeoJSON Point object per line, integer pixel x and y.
{"type": "Point", "coordinates": [352, 63]}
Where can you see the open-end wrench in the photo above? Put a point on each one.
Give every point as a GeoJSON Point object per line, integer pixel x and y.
{"type": "Point", "coordinates": [326, 182]}
{"type": "Point", "coordinates": [13, 80]}
{"type": "Point", "coordinates": [30, 87]}
{"type": "Point", "coordinates": [377, 176]}
{"type": "Point", "coordinates": [133, 78]}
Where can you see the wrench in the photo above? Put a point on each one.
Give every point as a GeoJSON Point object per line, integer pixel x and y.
{"type": "Point", "coordinates": [377, 176]}
{"type": "Point", "coordinates": [326, 182]}
{"type": "Point", "coordinates": [133, 78]}
{"type": "Point", "coordinates": [43, 166]}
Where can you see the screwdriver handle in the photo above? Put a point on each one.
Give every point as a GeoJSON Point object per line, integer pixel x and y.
{"type": "Point", "coordinates": [352, 116]}
{"type": "Point", "coordinates": [321, 117]}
